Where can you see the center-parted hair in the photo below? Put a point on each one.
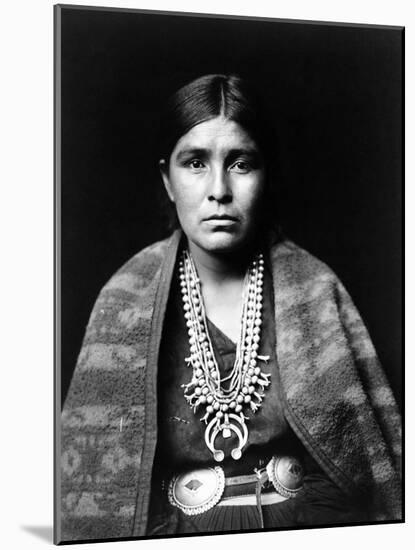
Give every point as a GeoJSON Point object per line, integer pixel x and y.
{"type": "Point", "coordinates": [216, 95]}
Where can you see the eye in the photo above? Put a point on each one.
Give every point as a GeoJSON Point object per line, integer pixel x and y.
{"type": "Point", "coordinates": [195, 164]}
{"type": "Point", "coordinates": [241, 166]}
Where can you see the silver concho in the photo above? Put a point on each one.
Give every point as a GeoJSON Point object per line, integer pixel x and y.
{"type": "Point", "coordinates": [197, 491]}
{"type": "Point", "coordinates": [286, 474]}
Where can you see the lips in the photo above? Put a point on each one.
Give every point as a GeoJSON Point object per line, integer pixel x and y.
{"type": "Point", "coordinates": [225, 217]}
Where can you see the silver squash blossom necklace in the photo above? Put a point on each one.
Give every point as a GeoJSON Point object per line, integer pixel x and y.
{"type": "Point", "coordinates": [224, 407]}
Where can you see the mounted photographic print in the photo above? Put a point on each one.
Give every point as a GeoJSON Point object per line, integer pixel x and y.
{"type": "Point", "coordinates": [228, 274]}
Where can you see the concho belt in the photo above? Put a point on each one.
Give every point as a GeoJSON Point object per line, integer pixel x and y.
{"type": "Point", "coordinates": [198, 491]}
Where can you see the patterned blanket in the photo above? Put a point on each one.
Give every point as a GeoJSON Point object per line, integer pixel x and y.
{"type": "Point", "coordinates": [336, 397]}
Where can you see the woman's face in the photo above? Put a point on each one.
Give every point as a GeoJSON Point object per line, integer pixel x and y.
{"type": "Point", "coordinates": [216, 178]}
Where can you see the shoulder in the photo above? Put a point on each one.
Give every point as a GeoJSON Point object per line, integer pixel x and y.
{"type": "Point", "coordinates": [137, 273]}
{"type": "Point", "coordinates": [129, 294]}
{"type": "Point", "coordinates": [287, 258]}
{"type": "Point", "coordinates": [144, 264]}
{"type": "Point", "coordinates": [301, 280]}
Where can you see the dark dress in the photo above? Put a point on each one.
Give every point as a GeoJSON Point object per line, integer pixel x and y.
{"type": "Point", "coordinates": [182, 446]}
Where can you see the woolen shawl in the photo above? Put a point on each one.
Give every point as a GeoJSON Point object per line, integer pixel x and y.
{"type": "Point", "coordinates": [335, 395]}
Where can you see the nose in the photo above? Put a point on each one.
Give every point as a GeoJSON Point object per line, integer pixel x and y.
{"type": "Point", "coordinates": [220, 190]}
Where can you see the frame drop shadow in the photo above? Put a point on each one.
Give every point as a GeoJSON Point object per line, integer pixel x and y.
{"type": "Point", "coordinates": [42, 532]}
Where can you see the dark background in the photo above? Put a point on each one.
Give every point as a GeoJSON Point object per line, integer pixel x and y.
{"type": "Point", "coordinates": [335, 94]}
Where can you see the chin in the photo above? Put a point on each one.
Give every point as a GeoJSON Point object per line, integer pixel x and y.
{"type": "Point", "coordinates": [222, 242]}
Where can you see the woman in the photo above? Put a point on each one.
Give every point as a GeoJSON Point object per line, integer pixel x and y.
{"type": "Point", "coordinates": [226, 381]}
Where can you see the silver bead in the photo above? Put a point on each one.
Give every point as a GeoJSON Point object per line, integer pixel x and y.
{"type": "Point", "coordinates": [236, 454]}
{"type": "Point", "coordinates": [219, 456]}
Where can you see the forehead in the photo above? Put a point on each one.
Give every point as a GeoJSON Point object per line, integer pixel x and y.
{"type": "Point", "coordinates": [217, 134]}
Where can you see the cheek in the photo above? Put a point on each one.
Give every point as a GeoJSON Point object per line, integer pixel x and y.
{"type": "Point", "coordinates": [183, 191]}
{"type": "Point", "coordinates": [185, 201]}
{"type": "Point", "coordinates": [252, 195]}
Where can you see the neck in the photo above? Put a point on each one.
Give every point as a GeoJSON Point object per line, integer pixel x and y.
{"type": "Point", "coordinates": [220, 268]}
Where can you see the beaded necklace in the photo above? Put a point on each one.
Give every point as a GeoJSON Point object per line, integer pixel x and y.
{"type": "Point", "coordinates": [224, 406]}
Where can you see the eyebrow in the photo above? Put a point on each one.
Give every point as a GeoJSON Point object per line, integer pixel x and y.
{"type": "Point", "coordinates": [232, 153]}
{"type": "Point", "coordinates": [192, 152]}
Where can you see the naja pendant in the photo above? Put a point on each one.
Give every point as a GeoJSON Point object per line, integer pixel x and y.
{"type": "Point", "coordinates": [230, 423]}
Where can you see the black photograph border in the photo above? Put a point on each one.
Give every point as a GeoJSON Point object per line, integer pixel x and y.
{"type": "Point", "coordinates": [58, 9]}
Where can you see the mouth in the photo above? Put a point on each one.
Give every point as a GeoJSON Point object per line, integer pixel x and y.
{"type": "Point", "coordinates": [221, 222]}
{"type": "Point", "coordinates": [222, 217]}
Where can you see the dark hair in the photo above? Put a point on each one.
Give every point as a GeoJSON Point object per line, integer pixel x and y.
{"type": "Point", "coordinates": [208, 97]}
